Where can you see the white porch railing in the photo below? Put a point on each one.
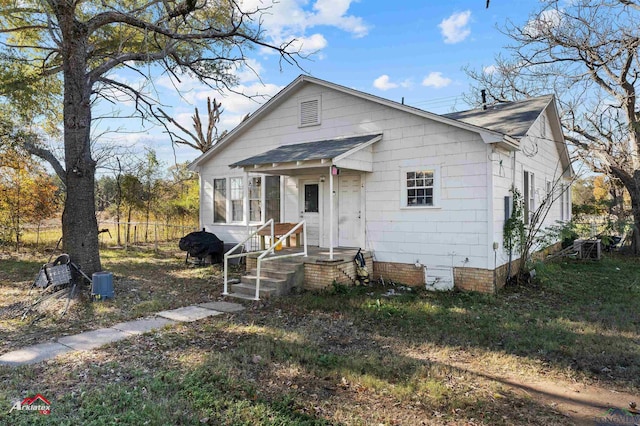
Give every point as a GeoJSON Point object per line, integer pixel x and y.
{"type": "Point", "coordinates": [271, 249]}
{"type": "Point", "coordinates": [228, 256]}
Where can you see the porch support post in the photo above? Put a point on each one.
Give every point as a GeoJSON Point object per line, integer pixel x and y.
{"type": "Point", "coordinates": [245, 197]}
{"type": "Point", "coordinates": [331, 212]}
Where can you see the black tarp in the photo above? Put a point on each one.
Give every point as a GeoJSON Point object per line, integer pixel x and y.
{"type": "Point", "coordinates": [201, 244]}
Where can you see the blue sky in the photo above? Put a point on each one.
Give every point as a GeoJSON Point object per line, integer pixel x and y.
{"type": "Point", "coordinates": [414, 49]}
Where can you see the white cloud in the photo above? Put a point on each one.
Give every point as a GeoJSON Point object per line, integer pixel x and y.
{"type": "Point", "coordinates": [284, 20]}
{"type": "Point", "coordinates": [436, 80]}
{"type": "Point", "coordinates": [236, 105]}
{"type": "Point", "coordinates": [547, 21]}
{"type": "Point", "coordinates": [334, 12]}
{"type": "Point", "coordinates": [455, 28]}
{"type": "Point", "coordinates": [250, 71]}
{"type": "Point", "coordinates": [383, 83]}
{"type": "Point", "coordinates": [490, 69]}
{"type": "Point", "coordinates": [308, 45]}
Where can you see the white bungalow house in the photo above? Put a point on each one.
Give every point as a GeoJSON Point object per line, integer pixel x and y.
{"type": "Point", "coordinates": [423, 194]}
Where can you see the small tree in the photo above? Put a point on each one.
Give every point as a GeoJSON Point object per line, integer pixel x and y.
{"type": "Point", "coordinates": [524, 236]}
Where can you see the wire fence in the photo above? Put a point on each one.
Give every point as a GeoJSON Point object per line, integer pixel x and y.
{"type": "Point", "coordinates": [111, 234]}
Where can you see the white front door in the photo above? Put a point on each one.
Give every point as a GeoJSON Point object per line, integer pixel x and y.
{"type": "Point", "coordinates": [310, 206]}
{"type": "Point", "coordinates": [349, 214]}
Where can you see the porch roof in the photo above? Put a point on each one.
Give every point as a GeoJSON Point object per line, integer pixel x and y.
{"type": "Point", "coordinates": [328, 149]}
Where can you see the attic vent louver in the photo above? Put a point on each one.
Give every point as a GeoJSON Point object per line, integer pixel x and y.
{"type": "Point", "coordinates": [310, 112]}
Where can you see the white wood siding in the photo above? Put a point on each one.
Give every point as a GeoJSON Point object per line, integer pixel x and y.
{"type": "Point", "coordinates": [460, 231]}
{"type": "Point", "coordinates": [540, 155]}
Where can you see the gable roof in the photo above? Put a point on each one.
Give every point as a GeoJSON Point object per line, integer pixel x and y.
{"type": "Point", "coordinates": [318, 150]}
{"type": "Point", "coordinates": [509, 118]}
{"type": "Point", "coordinates": [487, 135]}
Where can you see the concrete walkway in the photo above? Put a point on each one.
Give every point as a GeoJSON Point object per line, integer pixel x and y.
{"type": "Point", "coordinates": [94, 339]}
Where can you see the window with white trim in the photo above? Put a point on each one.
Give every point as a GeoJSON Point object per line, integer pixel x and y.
{"type": "Point", "coordinates": [420, 187]}
{"type": "Point", "coordinates": [255, 199]}
{"type": "Point", "coordinates": [263, 198]}
{"type": "Point", "coordinates": [236, 194]}
{"type": "Point", "coordinates": [220, 200]}
{"type": "Point", "coordinates": [529, 195]}
{"type": "Point", "coordinates": [272, 198]}
{"type": "Point", "coordinates": [549, 188]}
{"type": "Point", "coordinates": [565, 202]}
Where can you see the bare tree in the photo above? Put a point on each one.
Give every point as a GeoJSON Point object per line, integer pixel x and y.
{"type": "Point", "coordinates": [84, 42]}
{"type": "Point", "coordinates": [199, 139]}
{"type": "Point", "coordinates": [586, 52]}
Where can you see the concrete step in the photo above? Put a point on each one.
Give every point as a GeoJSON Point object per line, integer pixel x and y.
{"type": "Point", "coordinates": [250, 290]}
{"type": "Point", "coordinates": [280, 274]}
{"type": "Point", "coordinates": [264, 281]}
{"type": "Point", "coordinates": [241, 296]}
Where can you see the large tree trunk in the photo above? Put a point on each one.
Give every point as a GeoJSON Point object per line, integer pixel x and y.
{"type": "Point", "coordinates": [635, 210]}
{"type": "Point", "coordinates": [79, 223]}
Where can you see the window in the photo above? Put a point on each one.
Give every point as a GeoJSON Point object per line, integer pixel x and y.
{"type": "Point", "coordinates": [255, 199]}
{"type": "Point", "coordinates": [237, 205]}
{"type": "Point", "coordinates": [263, 197]}
{"type": "Point", "coordinates": [311, 198]}
{"type": "Point", "coordinates": [529, 195]}
{"type": "Point", "coordinates": [565, 202]}
{"type": "Point", "coordinates": [309, 111]}
{"type": "Point", "coordinates": [420, 188]}
{"type": "Point", "coordinates": [548, 187]}
{"type": "Point", "coordinates": [272, 198]}
{"type": "Point", "coordinates": [220, 200]}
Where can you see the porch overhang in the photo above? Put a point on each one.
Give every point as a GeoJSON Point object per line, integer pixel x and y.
{"type": "Point", "coordinates": [353, 153]}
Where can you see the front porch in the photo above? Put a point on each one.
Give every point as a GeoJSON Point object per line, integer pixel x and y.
{"type": "Point", "coordinates": [314, 272]}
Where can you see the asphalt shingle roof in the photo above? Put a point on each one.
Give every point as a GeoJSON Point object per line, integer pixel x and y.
{"type": "Point", "coordinates": [318, 150]}
{"type": "Point", "coordinates": [511, 118]}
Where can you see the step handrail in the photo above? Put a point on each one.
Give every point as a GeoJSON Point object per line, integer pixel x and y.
{"type": "Point", "coordinates": [227, 256]}
{"type": "Point", "coordinates": [271, 249]}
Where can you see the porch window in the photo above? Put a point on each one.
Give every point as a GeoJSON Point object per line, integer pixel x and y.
{"type": "Point", "coordinates": [220, 200]}
{"type": "Point", "coordinates": [237, 204]}
{"type": "Point", "coordinates": [420, 188]}
{"type": "Point", "coordinates": [311, 198]}
{"type": "Point", "coordinates": [272, 198]}
{"type": "Point", "coordinates": [255, 199]}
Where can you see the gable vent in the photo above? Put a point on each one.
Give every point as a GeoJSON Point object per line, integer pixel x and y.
{"type": "Point", "coordinates": [310, 112]}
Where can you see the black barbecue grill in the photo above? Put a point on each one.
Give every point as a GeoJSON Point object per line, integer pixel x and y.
{"type": "Point", "coordinates": [201, 245]}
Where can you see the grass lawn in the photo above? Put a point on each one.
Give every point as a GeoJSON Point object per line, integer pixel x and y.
{"type": "Point", "coordinates": [352, 356]}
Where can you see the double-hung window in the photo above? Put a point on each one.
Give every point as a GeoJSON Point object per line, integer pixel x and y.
{"type": "Point", "coordinates": [272, 198]}
{"type": "Point", "coordinates": [529, 195]}
{"type": "Point", "coordinates": [220, 200]}
{"type": "Point", "coordinates": [237, 199]}
{"type": "Point", "coordinates": [263, 199]}
{"type": "Point", "coordinates": [255, 199]}
{"type": "Point", "coordinates": [565, 202]}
